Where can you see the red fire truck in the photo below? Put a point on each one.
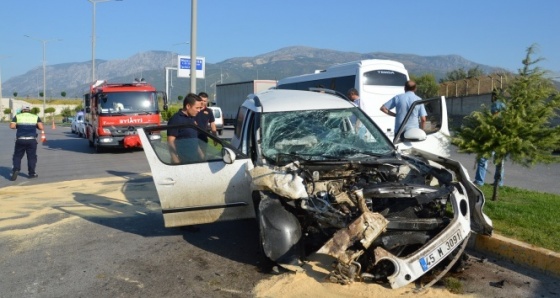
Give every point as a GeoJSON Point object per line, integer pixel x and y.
{"type": "Point", "coordinates": [115, 110]}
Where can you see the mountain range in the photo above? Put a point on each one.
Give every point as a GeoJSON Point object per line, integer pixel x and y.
{"type": "Point", "coordinates": [73, 78]}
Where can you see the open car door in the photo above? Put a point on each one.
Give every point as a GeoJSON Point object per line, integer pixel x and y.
{"type": "Point", "coordinates": [210, 187]}
{"type": "Point", "coordinates": [435, 137]}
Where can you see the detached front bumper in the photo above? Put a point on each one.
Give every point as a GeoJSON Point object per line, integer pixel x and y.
{"type": "Point", "coordinates": [411, 267]}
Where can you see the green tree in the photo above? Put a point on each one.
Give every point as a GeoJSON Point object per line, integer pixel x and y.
{"type": "Point", "coordinates": [426, 86]}
{"type": "Point", "coordinates": [455, 75]}
{"type": "Point", "coordinates": [165, 115]}
{"type": "Point", "coordinates": [35, 110]}
{"type": "Point", "coordinates": [50, 110]}
{"type": "Point", "coordinates": [522, 132]}
{"type": "Point", "coordinates": [7, 111]}
{"type": "Point", "coordinates": [66, 112]}
{"type": "Point", "coordinates": [41, 94]}
{"type": "Point", "coordinates": [474, 72]}
{"type": "Point", "coordinates": [461, 74]}
{"type": "Point", "coordinates": [15, 94]}
{"type": "Point", "coordinates": [63, 93]}
{"type": "Point", "coordinates": [180, 97]}
{"type": "Point", "coordinates": [78, 108]}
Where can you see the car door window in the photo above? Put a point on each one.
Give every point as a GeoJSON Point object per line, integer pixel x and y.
{"type": "Point", "coordinates": [203, 148]}
{"type": "Point", "coordinates": [434, 118]}
{"type": "Point", "coordinates": [239, 121]}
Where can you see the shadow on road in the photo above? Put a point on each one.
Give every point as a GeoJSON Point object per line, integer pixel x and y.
{"type": "Point", "coordinates": [78, 144]}
{"type": "Point", "coordinates": [133, 207]}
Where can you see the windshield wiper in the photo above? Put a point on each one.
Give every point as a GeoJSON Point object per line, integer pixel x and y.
{"type": "Point", "coordinates": [290, 156]}
{"type": "Point", "coordinates": [355, 151]}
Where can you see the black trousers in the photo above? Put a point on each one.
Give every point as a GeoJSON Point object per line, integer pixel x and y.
{"type": "Point", "coordinates": [28, 147]}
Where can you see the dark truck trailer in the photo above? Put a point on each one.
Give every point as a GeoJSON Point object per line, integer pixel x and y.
{"type": "Point", "coordinates": [231, 95]}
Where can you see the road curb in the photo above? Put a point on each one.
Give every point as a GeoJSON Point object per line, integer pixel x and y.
{"type": "Point", "coordinates": [517, 252]}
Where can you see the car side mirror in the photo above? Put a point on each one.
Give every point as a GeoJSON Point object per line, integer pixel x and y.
{"type": "Point", "coordinates": [228, 156]}
{"type": "Point", "coordinates": [414, 134]}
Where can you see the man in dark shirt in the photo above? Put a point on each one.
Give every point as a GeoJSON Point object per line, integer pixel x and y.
{"type": "Point", "coordinates": [205, 118]}
{"type": "Point", "coordinates": [183, 142]}
{"type": "Point", "coordinates": [26, 125]}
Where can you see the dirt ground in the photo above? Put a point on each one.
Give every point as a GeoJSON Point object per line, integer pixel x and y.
{"type": "Point", "coordinates": [312, 283]}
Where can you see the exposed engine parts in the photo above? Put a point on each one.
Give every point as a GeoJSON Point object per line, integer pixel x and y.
{"type": "Point", "coordinates": [367, 216]}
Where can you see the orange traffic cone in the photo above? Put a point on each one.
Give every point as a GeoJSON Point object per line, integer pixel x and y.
{"type": "Point", "coordinates": [43, 138]}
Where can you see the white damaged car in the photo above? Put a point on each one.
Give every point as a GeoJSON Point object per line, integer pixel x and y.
{"type": "Point", "coordinates": [321, 178]}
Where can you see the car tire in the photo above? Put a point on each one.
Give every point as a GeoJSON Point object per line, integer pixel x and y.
{"type": "Point", "coordinates": [264, 263]}
{"type": "Point", "coordinates": [98, 149]}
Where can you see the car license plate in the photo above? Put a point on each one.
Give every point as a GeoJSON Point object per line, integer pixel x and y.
{"type": "Point", "coordinates": [443, 250]}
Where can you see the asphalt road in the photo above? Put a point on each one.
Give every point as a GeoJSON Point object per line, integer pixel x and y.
{"type": "Point", "coordinates": [65, 156]}
{"type": "Point", "coordinates": [123, 249]}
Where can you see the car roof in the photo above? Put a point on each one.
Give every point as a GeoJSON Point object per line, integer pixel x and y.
{"type": "Point", "coordinates": [280, 100]}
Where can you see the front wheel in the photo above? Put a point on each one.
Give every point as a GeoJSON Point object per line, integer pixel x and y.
{"type": "Point", "coordinates": [98, 148]}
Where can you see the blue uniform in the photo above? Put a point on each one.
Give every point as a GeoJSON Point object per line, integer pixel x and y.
{"type": "Point", "coordinates": [182, 133]}
{"type": "Point", "coordinates": [203, 119]}
{"type": "Point", "coordinates": [26, 143]}
{"type": "Point", "coordinates": [402, 103]}
{"type": "Point", "coordinates": [186, 142]}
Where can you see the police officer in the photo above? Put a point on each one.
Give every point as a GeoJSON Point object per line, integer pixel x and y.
{"type": "Point", "coordinates": [26, 125]}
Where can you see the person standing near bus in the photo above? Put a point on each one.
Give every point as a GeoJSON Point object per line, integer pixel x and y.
{"type": "Point", "coordinates": [26, 125]}
{"type": "Point", "coordinates": [401, 103]}
{"type": "Point", "coordinates": [354, 96]}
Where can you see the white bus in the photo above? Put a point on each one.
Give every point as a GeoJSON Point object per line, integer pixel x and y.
{"type": "Point", "coordinates": [377, 81]}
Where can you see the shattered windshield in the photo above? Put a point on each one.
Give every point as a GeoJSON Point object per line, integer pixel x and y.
{"type": "Point", "coordinates": [321, 135]}
{"type": "Point", "coordinates": [128, 102]}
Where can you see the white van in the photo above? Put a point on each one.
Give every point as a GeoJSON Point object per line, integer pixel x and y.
{"type": "Point", "coordinates": [219, 119]}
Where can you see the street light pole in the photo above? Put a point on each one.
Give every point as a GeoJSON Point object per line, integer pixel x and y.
{"type": "Point", "coordinates": [44, 42]}
{"type": "Point", "coordinates": [194, 5]}
{"type": "Point", "coordinates": [94, 2]}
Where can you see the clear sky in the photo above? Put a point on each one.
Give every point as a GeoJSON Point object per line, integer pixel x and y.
{"type": "Point", "coordinates": [494, 33]}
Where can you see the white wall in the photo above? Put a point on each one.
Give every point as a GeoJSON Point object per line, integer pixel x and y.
{"type": "Point", "coordinates": [15, 105]}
